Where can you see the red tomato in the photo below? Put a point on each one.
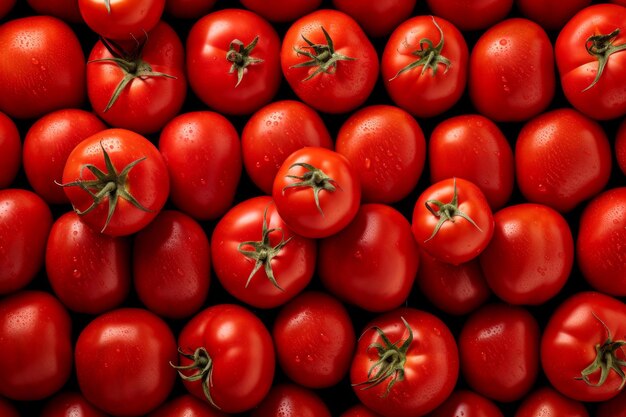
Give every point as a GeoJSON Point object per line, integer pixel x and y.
{"type": "Point", "coordinates": [227, 357]}
{"type": "Point", "coordinates": [63, 9]}
{"type": "Point", "coordinates": [46, 70]}
{"type": "Point", "coordinates": [499, 346]}
{"type": "Point", "coordinates": [582, 347]}
{"type": "Point", "coordinates": [530, 255]}
{"type": "Point", "coordinates": [121, 19]}
{"type": "Point", "coordinates": [25, 222]}
{"type": "Point", "coordinates": [36, 346]}
{"type": "Point", "coordinates": [117, 181]}
{"type": "Point", "coordinates": [471, 15]}
{"type": "Point", "coordinates": [233, 61]}
{"type": "Point", "coordinates": [281, 10]}
{"type": "Point", "coordinates": [288, 400]}
{"type": "Point", "coordinates": [203, 157]}
{"type": "Point", "coordinates": [186, 406]}
{"type": "Point", "coordinates": [273, 133]}
{"type": "Point", "coordinates": [47, 145]}
{"type": "Point", "coordinates": [359, 410]}
{"type": "Point", "coordinates": [329, 62]}
{"type": "Point", "coordinates": [615, 407]}
{"type": "Point", "coordinates": [561, 159]}
{"type": "Point", "coordinates": [141, 85]}
{"type": "Point", "coordinates": [257, 257]}
{"type": "Point", "coordinates": [424, 65]}
{"type": "Point", "coordinates": [546, 402]}
{"type": "Point", "coordinates": [467, 404]}
{"type": "Point", "coordinates": [188, 9]}
{"type": "Point", "coordinates": [406, 364]}
{"type": "Point", "coordinates": [70, 404]}
{"type": "Point", "coordinates": [620, 147]}
{"type": "Point", "coordinates": [372, 262]}
{"type": "Point", "coordinates": [129, 349]}
{"type": "Point", "coordinates": [511, 71]}
{"type": "Point", "coordinates": [590, 63]}
{"type": "Point", "coordinates": [551, 15]}
{"type": "Point", "coordinates": [171, 265]}
{"type": "Point", "coordinates": [452, 221]}
{"type": "Point", "coordinates": [10, 151]}
{"type": "Point", "coordinates": [377, 18]}
{"type": "Point", "coordinates": [317, 192]}
{"type": "Point", "coordinates": [387, 148]}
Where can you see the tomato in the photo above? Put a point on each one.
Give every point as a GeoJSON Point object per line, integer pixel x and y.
{"type": "Point", "coordinates": [227, 357]}
{"type": "Point", "coordinates": [530, 255]}
{"type": "Point", "coordinates": [561, 159]}
{"type": "Point", "coordinates": [590, 61]}
{"type": "Point", "coordinates": [25, 222]}
{"type": "Point", "coordinates": [186, 406]}
{"type": "Point", "coordinates": [36, 345]}
{"type": "Point", "coordinates": [46, 70]}
{"type": "Point", "coordinates": [620, 147]}
{"type": "Point", "coordinates": [47, 145]}
{"type": "Point", "coordinates": [373, 261]}
{"type": "Point", "coordinates": [121, 19]}
{"type": "Point", "coordinates": [70, 404]}
{"type": "Point", "coordinates": [258, 258]}
{"type": "Point", "coordinates": [615, 407]}
{"type": "Point", "coordinates": [329, 62]}
{"type": "Point", "coordinates": [6, 407]}
{"type": "Point", "coordinates": [551, 15]}
{"type": "Point", "coordinates": [581, 347]}
{"type": "Point", "coordinates": [474, 148]}
{"type": "Point", "coordinates": [63, 9]}
{"type": "Point", "coordinates": [377, 18]}
{"type": "Point", "coordinates": [387, 148]}
{"type": "Point", "coordinates": [359, 410]}
{"type": "Point", "coordinates": [511, 71]}
{"type": "Point", "coordinates": [601, 241]}
{"type": "Point", "coordinates": [274, 132]}
{"type": "Point", "coordinates": [130, 350]}
{"type": "Point", "coordinates": [10, 150]}
{"type": "Point", "coordinates": [281, 10]}
{"type": "Point", "coordinates": [203, 157]}
{"type": "Point", "coordinates": [188, 9]}
{"type": "Point", "coordinates": [452, 221]}
{"type": "Point", "coordinates": [288, 400]}
{"type": "Point", "coordinates": [406, 363]}
{"type": "Point", "coordinates": [471, 15]}
{"type": "Point", "coordinates": [314, 340]}
{"type": "Point", "coordinates": [499, 346]}
{"type": "Point", "coordinates": [317, 192]}
{"type": "Point", "coordinates": [467, 404]}
{"type": "Point", "coordinates": [117, 181]}
{"type": "Point", "coordinates": [424, 65]}
{"type": "Point", "coordinates": [141, 85]}
{"type": "Point", "coordinates": [171, 265]}
{"type": "Point", "coordinates": [546, 402]}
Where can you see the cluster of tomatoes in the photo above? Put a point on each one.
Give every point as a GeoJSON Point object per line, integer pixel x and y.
{"type": "Point", "coordinates": [313, 208]}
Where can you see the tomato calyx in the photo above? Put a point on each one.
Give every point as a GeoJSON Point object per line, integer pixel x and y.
{"type": "Point", "coordinates": [447, 212]}
{"type": "Point", "coordinates": [203, 365]}
{"type": "Point", "coordinates": [323, 56]}
{"type": "Point", "coordinates": [314, 178]}
{"type": "Point", "coordinates": [390, 363]}
{"type": "Point", "coordinates": [601, 47]}
{"type": "Point", "coordinates": [263, 252]}
{"type": "Point", "coordinates": [107, 4]}
{"type": "Point", "coordinates": [429, 57]}
{"type": "Point", "coordinates": [239, 54]}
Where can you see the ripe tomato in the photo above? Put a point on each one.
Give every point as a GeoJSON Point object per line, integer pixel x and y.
{"type": "Point", "coordinates": [546, 402]}
{"type": "Point", "coordinates": [273, 133]}
{"type": "Point", "coordinates": [227, 357]}
{"type": "Point", "coordinates": [47, 145]}
{"type": "Point", "coordinates": [10, 150]}
{"type": "Point", "coordinates": [530, 255]}
{"type": "Point", "coordinates": [551, 15]}
{"type": "Point", "coordinates": [130, 350]}
{"type": "Point", "coordinates": [620, 147]}
{"type": "Point", "coordinates": [329, 62]}
{"type": "Point", "coordinates": [69, 404]}
{"type": "Point", "coordinates": [511, 71]}
{"type": "Point", "coordinates": [471, 15]}
{"type": "Point", "coordinates": [499, 346]}
{"type": "Point", "coordinates": [233, 61]}
{"type": "Point", "coordinates": [317, 192]}
{"type": "Point", "coordinates": [186, 406]}
{"type": "Point", "coordinates": [377, 18]}
{"type": "Point", "coordinates": [25, 222]}
{"type": "Point", "coordinates": [452, 221]}
{"type": "Point", "coordinates": [36, 345]}
{"type": "Point", "coordinates": [406, 363]}
{"type": "Point", "coordinates": [289, 400]}
{"type": "Point", "coordinates": [117, 181]}
{"type": "Point", "coordinates": [281, 10]}
{"type": "Point", "coordinates": [67, 10]}
{"type": "Point", "coordinates": [359, 410]}
{"type": "Point", "coordinates": [372, 262]}
{"type": "Point", "coordinates": [387, 148]}
{"type": "Point", "coordinates": [121, 19]}
{"type": "Point", "coordinates": [424, 65]}
{"type": "Point", "coordinates": [46, 69]}
{"type": "Point", "coordinates": [581, 348]}
{"type": "Point", "coordinates": [590, 63]}
{"type": "Point", "coordinates": [188, 9]}
{"type": "Point", "coordinates": [467, 404]}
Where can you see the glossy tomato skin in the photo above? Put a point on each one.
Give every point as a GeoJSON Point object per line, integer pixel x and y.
{"type": "Point", "coordinates": [25, 222]}
{"type": "Point", "coordinates": [186, 405]}
{"type": "Point", "coordinates": [620, 147]}
{"type": "Point", "coordinates": [289, 400]}
{"type": "Point", "coordinates": [343, 87]}
{"type": "Point", "coordinates": [511, 71]}
{"type": "Point", "coordinates": [561, 159]}
{"type": "Point", "coordinates": [124, 20]}
{"type": "Point", "coordinates": [373, 261]}
{"type": "Point", "coordinates": [547, 402]}
{"type": "Point", "coordinates": [63, 9]}
{"type": "Point", "coordinates": [551, 15]}
{"type": "Point", "coordinates": [425, 91]}
{"type": "Point", "coordinates": [377, 18]}
{"type": "Point", "coordinates": [210, 71]}
{"type": "Point", "coordinates": [530, 256]}
{"type": "Point", "coordinates": [46, 71]}
{"type": "Point", "coordinates": [70, 404]}
{"type": "Point", "coordinates": [130, 350]}
{"type": "Point", "coordinates": [188, 9]}
{"type": "Point", "coordinates": [242, 352]}
{"type": "Point", "coordinates": [36, 344]}
{"type": "Point", "coordinates": [47, 145]}
{"type": "Point", "coordinates": [499, 347]}
{"type": "Point", "coordinates": [467, 404]}
{"type": "Point", "coordinates": [386, 146]}
{"type": "Point", "coordinates": [471, 15]}
{"type": "Point", "coordinates": [292, 264]}
{"type": "Point", "coordinates": [359, 410]}
{"type": "Point", "coordinates": [10, 150]}
{"type": "Point", "coordinates": [281, 10]}
{"type": "Point", "coordinates": [582, 322]}
{"type": "Point", "coordinates": [89, 271]}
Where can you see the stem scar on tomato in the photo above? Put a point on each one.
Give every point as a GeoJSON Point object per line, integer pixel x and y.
{"type": "Point", "coordinates": [203, 364]}
{"type": "Point", "coordinates": [601, 47]}
{"type": "Point", "coordinates": [314, 178]}
{"type": "Point", "coordinates": [239, 54]}
{"type": "Point", "coordinates": [323, 56]}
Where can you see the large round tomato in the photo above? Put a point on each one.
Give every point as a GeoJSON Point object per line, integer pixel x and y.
{"type": "Point", "coordinates": [186, 406]}
{"type": "Point", "coordinates": [377, 18]}
{"type": "Point", "coordinates": [464, 403]}
{"type": "Point", "coordinates": [551, 15]}
{"type": "Point", "coordinates": [281, 10]}
{"type": "Point", "coordinates": [10, 150]}
{"type": "Point", "coordinates": [546, 402]}
{"type": "Point", "coordinates": [69, 404]}
{"type": "Point", "coordinates": [290, 400]}
{"type": "Point", "coordinates": [121, 19]}
{"type": "Point", "coordinates": [471, 15]}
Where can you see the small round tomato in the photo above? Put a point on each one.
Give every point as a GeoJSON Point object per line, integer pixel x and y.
{"type": "Point", "coordinates": [377, 18]}
{"type": "Point", "coordinates": [69, 404]}
{"type": "Point", "coordinates": [471, 15]}
{"type": "Point", "coordinates": [10, 150]}
{"type": "Point", "coordinates": [289, 400]}
{"type": "Point", "coordinates": [121, 19]}
{"type": "Point", "coordinates": [620, 147]}
{"type": "Point", "coordinates": [546, 402]}
{"type": "Point", "coordinates": [188, 9]}
{"type": "Point", "coordinates": [551, 15]}
{"type": "Point", "coordinates": [186, 406]}
{"type": "Point", "coordinates": [67, 10]}
{"type": "Point", "coordinates": [467, 404]}
{"type": "Point", "coordinates": [281, 10]}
